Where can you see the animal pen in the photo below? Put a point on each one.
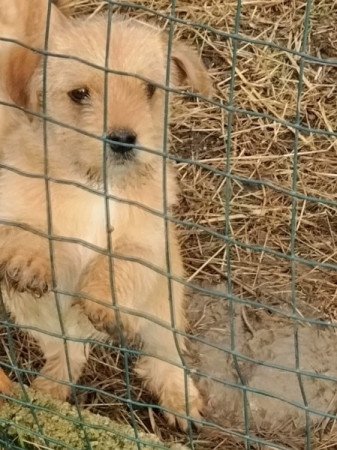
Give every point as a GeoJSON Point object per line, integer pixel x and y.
{"type": "Point", "coordinates": [257, 167]}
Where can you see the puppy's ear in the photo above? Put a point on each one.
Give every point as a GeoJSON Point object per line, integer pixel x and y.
{"type": "Point", "coordinates": [20, 67]}
{"type": "Point", "coordinates": [188, 68]}
{"type": "Point", "coordinates": [22, 18]}
{"type": "Point", "coordinates": [25, 22]}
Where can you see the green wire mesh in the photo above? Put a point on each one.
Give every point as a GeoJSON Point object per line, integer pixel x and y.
{"type": "Point", "coordinates": [247, 437]}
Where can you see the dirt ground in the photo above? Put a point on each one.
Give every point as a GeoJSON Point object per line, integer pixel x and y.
{"type": "Point", "coordinates": [238, 185]}
{"type": "Point", "coordinates": [275, 414]}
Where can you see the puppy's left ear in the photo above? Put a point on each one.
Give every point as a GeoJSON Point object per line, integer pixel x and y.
{"type": "Point", "coordinates": [189, 69]}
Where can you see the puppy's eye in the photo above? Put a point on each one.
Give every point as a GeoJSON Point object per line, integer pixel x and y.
{"type": "Point", "coordinates": [79, 95]}
{"type": "Point", "coordinates": [150, 90]}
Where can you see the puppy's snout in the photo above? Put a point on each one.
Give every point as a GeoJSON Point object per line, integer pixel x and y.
{"type": "Point", "coordinates": [122, 141]}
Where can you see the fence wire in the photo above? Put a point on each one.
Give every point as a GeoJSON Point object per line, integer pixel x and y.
{"type": "Point", "coordinates": [247, 436]}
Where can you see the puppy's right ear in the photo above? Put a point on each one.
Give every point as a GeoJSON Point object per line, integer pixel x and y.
{"type": "Point", "coordinates": [20, 66]}
{"type": "Point", "coordinates": [24, 21]}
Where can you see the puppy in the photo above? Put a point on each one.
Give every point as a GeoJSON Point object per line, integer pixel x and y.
{"type": "Point", "coordinates": [95, 227]}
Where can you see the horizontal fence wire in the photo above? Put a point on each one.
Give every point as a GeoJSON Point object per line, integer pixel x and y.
{"type": "Point", "coordinates": [247, 436]}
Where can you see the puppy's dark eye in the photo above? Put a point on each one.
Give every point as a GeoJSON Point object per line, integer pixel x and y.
{"type": "Point", "coordinates": [150, 89]}
{"type": "Point", "coordinates": [79, 95]}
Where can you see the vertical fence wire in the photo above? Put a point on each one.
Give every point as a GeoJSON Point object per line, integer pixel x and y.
{"type": "Point", "coordinates": [50, 222]}
{"type": "Point", "coordinates": [113, 290]}
{"type": "Point", "coordinates": [294, 207]}
{"type": "Point", "coordinates": [165, 211]}
{"type": "Point", "coordinates": [228, 197]}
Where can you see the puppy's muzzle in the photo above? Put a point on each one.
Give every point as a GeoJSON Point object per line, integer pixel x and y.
{"type": "Point", "coordinates": [122, 142]}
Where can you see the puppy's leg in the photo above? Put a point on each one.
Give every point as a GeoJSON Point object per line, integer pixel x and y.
{"type": "Point", "coordinates": [58, 371]}
{"type": "Point", "coordinates": [24, 261]}
{"type": "Point", "coordinates": [162, 372]}
{"type": "Point", "coordinates": [64, 359]}
{"type": "Point", "coordinates": [177, 393]}
{"type": "Point", "coordinates": [25, 270]}
{"type": "Point", "coordinates": [143, 290]}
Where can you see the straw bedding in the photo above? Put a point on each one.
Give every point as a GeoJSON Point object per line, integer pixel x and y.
{"type": "Point", "coordinates": [261, 149]}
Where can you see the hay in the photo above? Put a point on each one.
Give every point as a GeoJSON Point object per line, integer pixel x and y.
{"type": "Point", "coordinates": [60, 424]}
{"type": "Point", "coordinates": [262, 149]}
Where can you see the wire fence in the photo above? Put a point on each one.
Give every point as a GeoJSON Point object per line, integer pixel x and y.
{"type": "Point", "coordinates": [248, 437]}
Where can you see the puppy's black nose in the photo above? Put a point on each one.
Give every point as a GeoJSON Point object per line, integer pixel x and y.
{"type": "Point", "coordinates": [121, 137]}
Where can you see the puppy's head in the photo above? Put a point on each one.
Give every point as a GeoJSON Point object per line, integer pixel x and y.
{"type": "Point", "coordinates": [124, 104]}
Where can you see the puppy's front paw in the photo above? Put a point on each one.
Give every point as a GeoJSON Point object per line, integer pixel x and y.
{"type": "Point", "coordinates": [24, 271]}
{"type": "Point", "coordinates": [168, 383]}
{"type": "Point", "coordinates": [102, 317]}
{"type": "Point", "coordinates": [173, 398]}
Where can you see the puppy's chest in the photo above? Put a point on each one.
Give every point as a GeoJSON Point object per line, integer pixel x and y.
{"type": "Point", "coordinates": [81, 215]}
{"type": "Point", "coordinates": [86, 218]}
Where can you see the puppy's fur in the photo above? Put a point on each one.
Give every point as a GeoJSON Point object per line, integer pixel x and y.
{"type": "Point", "coordinates": [5, 383]}
{"type": "Point", "coordinates": [136, 234]}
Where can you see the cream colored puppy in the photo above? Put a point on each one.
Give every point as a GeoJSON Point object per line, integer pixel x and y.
{"type": "Point", "coordinates": [91, 223]}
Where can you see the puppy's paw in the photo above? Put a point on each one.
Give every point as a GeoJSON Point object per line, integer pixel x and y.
{"type": "Point", "coordinates": [24, 271]}
{"type": "Point", "coordinates": [53, 388]}
{"type": "Point", "coordinates": [173, 398]}
{"type": "Point", "coordinates": [183, 406]}
{"type": "Point", "coordinates": [102, 317]}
